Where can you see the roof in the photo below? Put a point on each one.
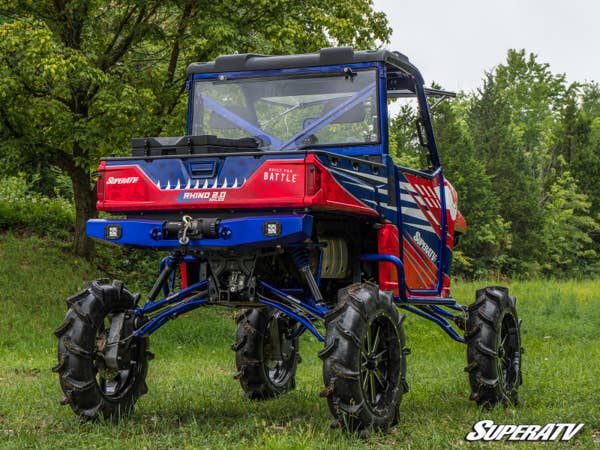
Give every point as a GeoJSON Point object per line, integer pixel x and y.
{"type": "Point", "coordinates": [324, 57]}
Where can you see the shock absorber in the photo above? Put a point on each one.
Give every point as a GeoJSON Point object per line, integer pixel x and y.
{"type": "Point", "coordinates": [300, 256]}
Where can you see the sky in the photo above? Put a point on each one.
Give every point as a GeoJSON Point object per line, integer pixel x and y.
{"type": "Point", "coordinates": [454, 42]}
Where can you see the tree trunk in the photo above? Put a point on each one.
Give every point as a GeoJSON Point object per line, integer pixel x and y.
{"type": "Point", "coordinates": [85, 208]}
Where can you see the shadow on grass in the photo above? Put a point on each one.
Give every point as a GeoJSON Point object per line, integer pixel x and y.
{"type": "Point", "coordinates": [221, 411]}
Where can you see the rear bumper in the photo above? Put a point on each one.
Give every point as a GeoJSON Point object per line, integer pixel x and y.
{"type": "Point", "coordinates": [248, 232]}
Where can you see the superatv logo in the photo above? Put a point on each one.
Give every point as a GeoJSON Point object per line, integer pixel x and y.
{"type": "Point", "coordinates": [123, 180]}
{"type": "Point", "coordinates": [486, 430]}
{"type": "Point", "coordinates": [426, 248]}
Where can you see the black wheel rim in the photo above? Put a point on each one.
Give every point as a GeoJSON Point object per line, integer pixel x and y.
{"type": "Point", "coordinates": [113, 384]}
{"type": "Point", "coordinates": [508, 360]}
{"type": "Point", "coordinates": [279, 367]}
{"type": "Point", "coordinates": [379, 357]}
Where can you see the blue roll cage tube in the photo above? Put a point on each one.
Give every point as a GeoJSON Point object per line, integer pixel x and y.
{"type": "Point", "coordinates": [427, 304]}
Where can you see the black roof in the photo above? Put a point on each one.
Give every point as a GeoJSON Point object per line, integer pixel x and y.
{"type": "Point", "coordinates": [324, 57]}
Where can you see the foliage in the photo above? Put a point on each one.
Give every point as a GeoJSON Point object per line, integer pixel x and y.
{"type": "Point", "coordinates": [79, 78]}
{"type": "Point", "coordinates": [497, 144]}
{"type": "Point", "coordinates": [529, 128]}
{"type": "Point", "coordinates": [534, 96]}
{"type": "Point", "coordinates": [567, 230]}
{"type": "Point", "coordinates": [139, 266]}
{"type": "Point", "coordinates": [481, 249]}
{"type": "Point", "coordinates": [21, 207]}
{"type": "Point", "coordinates": [579, 138]}
{"type": "Point", "coordinates": [25, 210]}
{"type": "Point", "coordinates": [404, 146]}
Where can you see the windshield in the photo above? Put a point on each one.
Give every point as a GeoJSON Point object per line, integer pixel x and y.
{"type": "Point", "coordinates": [292, 111]}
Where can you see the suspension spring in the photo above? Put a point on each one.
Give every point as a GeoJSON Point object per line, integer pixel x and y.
{"type": "Point", "coordinates": [300, 256]}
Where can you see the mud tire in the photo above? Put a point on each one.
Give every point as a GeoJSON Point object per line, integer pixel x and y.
{"type": "Point", "coordinates": [494, 348]}
{"type": "Point", "coordinates": [364, 390]}
{"type": "Point", "coordinates": [89, 394]}
{"type": "Point", "coordinates": [260, 376]}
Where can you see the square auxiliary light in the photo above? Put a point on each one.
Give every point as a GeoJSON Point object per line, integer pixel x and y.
{"type": "Point", "coordinates": [272, 228]}
{"type": "Point", "coordinates": [113, 232]}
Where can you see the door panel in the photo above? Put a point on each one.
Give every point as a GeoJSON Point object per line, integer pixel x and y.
{"type": "Point", "coordinates": [421, 230]}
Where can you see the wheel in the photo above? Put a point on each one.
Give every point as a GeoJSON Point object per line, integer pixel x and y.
{"type": "Point", "coordinates": [266, 353]}
{"type": "Point", "coordinates": [493, 348]}
{"type": "Point", "coordinates": [364, 359]}
{"type": "Point", "coordinates": [92, 386]}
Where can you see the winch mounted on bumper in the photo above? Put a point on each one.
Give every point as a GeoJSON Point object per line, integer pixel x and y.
{"type": "Point", "coordinates": [261, 231]}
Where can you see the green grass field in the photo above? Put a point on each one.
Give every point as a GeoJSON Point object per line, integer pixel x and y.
{"type": "Point", "coordinates": [194, 402]}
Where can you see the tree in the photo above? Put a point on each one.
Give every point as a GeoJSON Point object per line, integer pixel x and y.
{"type": "Point", "coordinates": [78, 78]}
{"type": "Point", "coordinates": [580, 139]}
{"type": "Point", "coordinates": [404, 146]}
{"type": "Point", "coordinates": [481, 249]}
{"type": "Point", "coordinates": [578, 142]}
{"type": "Point", "coordinates": [567, 230]}
{"type": "Point", "coordinates": [535, 97]}
{"type": "Point", "coordinates": [496, 143]}
{"type": "Point", "coordinates": [536, 134]}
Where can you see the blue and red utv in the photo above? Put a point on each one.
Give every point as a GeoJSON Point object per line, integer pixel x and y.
{"type": "Point", "coordinates": [282, 200]}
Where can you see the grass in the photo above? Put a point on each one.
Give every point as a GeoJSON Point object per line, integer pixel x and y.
{"type": "Point", "coordinates": [195, 403]}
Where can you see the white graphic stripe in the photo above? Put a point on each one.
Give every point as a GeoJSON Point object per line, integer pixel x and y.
{"type": "Point", "coordinates": [407, 186]}
{"type": "Point", "coordinates": [407, 198]}
{"type": "Point", "coordinates": [414, 212]}
{"type": "Point", "coordinates": [433, 218]}
{"type": "Point", "coordinates": [431, 191]}
{"type": "Point", "coordinates": [426, 195]}
{"type": "Point", "coordinates": [421, 227]}
{"type": "Point", "coordinates": [356, 174]}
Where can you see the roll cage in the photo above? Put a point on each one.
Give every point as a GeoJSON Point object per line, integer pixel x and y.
{"type": "Point", "coordinates": [396, 78]}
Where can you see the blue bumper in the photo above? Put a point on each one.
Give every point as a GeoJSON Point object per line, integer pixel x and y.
{"type": "Point", "coordinates": [247, 232]}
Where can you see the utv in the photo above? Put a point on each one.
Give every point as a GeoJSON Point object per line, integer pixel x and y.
{"type": "Point", "coordinates": [282, 200]}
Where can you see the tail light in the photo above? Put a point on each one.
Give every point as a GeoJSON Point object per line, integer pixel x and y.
{"type": "Point", "coordinates": [313, 179]}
